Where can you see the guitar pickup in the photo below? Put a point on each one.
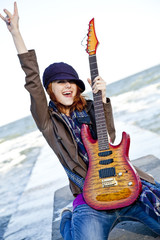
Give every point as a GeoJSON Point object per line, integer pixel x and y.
{"type": "Point", "coordinates": [107, 172]}
{"type": "Point", "coordinates": [106, 162]}
{"type": "Point", "coordinates": [104, 154]}
{"type": "Point", "coordinates": [109, 182]}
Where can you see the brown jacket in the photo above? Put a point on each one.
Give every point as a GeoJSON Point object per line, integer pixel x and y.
{"type": "Point", "coordinates": [53, 127]}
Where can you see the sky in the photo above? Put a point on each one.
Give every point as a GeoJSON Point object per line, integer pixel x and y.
{"type": "Point", "coordinates": [128, 32]}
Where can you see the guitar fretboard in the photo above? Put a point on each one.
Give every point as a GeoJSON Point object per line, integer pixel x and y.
{"type": "Point", "coordinates": [103, 143]}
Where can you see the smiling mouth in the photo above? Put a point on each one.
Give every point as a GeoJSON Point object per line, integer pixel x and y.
{"type": "Point", "coordinates": [67, 94]}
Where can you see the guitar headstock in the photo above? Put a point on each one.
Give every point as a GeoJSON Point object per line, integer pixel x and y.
{"type": "Point", "coordinates": [92, 41]}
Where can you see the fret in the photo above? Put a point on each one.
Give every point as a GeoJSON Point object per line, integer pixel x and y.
{"type": "Point", "coordinates": [100, 121]}
{"type": "Point", "coordinates": [100, 115]}
{"type": "Point", "coordinates": [104, 146]}
{"type": "Point", "coordinates": [98, 107]}
{"type": "Point", "coordinates": [102, 143]}
{"type": "Point", "coordinates": [103, 124]}
{"type": "Point", "coordinates": [100, 126]}
{"type": "Point", "coordinates": [99, 102]}
{"type": "Point", "coordinates": [103, 140]}
{"type": "Point", "coordinates": [94, 70]}
{"type": "Point", "coordinates": [92, 58]}
{"type": "Point", "coordinates": [93, 67]}
{"type": "Point", "coordinates": [93, 76]}
{"type": "Point", "coordinates": [97, 97]}
{"type": "Point", "coordinates": [101, 131]}
{"type": "Point", "coordinates": [99, 118]}
{"type": "Point", "coordinates": [99, 110]}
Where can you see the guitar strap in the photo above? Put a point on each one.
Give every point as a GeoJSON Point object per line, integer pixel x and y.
{"type": "Point", "coordinates": [79, 181]}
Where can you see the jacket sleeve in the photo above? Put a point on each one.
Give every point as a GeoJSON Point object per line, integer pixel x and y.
{"type": "Point", "coordinates": [109, 119]}
{"type": "Point", "coordinates": [39, 105]}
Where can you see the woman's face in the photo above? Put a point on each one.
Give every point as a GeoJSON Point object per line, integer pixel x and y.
{"type": "Point", "coordinates": [64, 91]}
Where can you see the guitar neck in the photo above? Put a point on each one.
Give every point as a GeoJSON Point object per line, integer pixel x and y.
{"type": "Point", "coordinates": [102, 135]}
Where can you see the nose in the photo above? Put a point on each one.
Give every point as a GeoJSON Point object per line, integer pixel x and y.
{"type": "Point", "coordinates": [67, 85]}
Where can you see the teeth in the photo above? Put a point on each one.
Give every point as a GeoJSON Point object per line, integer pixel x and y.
{"type": "Point", "coordinates": [66, 93]}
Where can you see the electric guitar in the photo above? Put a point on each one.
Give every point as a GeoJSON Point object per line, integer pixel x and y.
{"type": "Point", "coordinates": [111, 181]}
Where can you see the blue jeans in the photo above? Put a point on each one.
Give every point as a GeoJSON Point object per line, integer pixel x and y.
{"type": "Point", "coordinates": [86, 223]}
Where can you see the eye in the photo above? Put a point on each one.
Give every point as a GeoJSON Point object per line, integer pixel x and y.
{"type": "Point", "coordinates": [71, 81]}
{"type": "Point", "coordinates": [60, 81]}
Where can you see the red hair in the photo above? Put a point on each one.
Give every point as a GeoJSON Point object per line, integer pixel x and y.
{"type": "Point", "coordinates": [79, 102]}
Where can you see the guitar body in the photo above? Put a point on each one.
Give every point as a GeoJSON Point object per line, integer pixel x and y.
{"type": "Point", "coordinates": [111, 180]}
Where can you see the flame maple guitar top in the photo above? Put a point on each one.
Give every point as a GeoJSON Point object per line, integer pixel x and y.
{"type": "Point", "coordinates": [111, 180]}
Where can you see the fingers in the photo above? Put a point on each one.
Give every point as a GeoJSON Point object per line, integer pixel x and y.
{"type": "Point", "coordinates": [11, 19]}
{"type": "Point", "coordinates": [9, 15]}
{"type": "Point", "coordinates": [15, 9]}
{"type": "Point", "coordinates": [6, 19]}
{"type": "Point", "coordinates": [98, 84]}
{"type": "Point", "coordinates": [2, 17]}
{"type": "Point", "coordinates": [89, 81]}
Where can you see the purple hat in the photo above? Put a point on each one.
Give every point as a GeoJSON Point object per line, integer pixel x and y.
{"type": "Point", "coordinates": [61, 71]}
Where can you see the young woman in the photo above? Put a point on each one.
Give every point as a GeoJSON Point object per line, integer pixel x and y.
{"type": "Point", "coordinates": [60, 124]}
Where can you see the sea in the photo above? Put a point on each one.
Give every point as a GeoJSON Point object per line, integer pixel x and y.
{"type": "Point", "coordinates": [136, 109]}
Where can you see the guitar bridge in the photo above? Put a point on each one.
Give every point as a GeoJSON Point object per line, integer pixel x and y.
{"type": "Point", "coordinates": [109, 182]}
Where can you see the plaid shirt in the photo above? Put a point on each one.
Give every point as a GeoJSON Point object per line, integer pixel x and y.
{"type": "Point", "coordinates": [75, 126]}
{"type": "Point", "coordinates": [150, 199]}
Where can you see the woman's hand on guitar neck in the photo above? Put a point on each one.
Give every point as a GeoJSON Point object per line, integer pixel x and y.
{"type": "Point", "coordinates": [98, 84]}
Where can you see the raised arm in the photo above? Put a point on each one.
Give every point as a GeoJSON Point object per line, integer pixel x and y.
{"type": "Point", "coordinates": [12, 22]}
{"type": "Point", "coordinates": [28, 61]}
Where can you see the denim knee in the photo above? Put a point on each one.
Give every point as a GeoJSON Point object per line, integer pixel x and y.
{"type": "Point", "coordinates": [65, 224]}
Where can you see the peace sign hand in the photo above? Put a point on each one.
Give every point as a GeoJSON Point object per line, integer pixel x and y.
{"type": "Point", "coordinates": [11, 19]}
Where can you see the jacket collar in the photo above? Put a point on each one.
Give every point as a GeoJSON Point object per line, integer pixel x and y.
{"type": "Point", "coordinates": [89, 105]}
